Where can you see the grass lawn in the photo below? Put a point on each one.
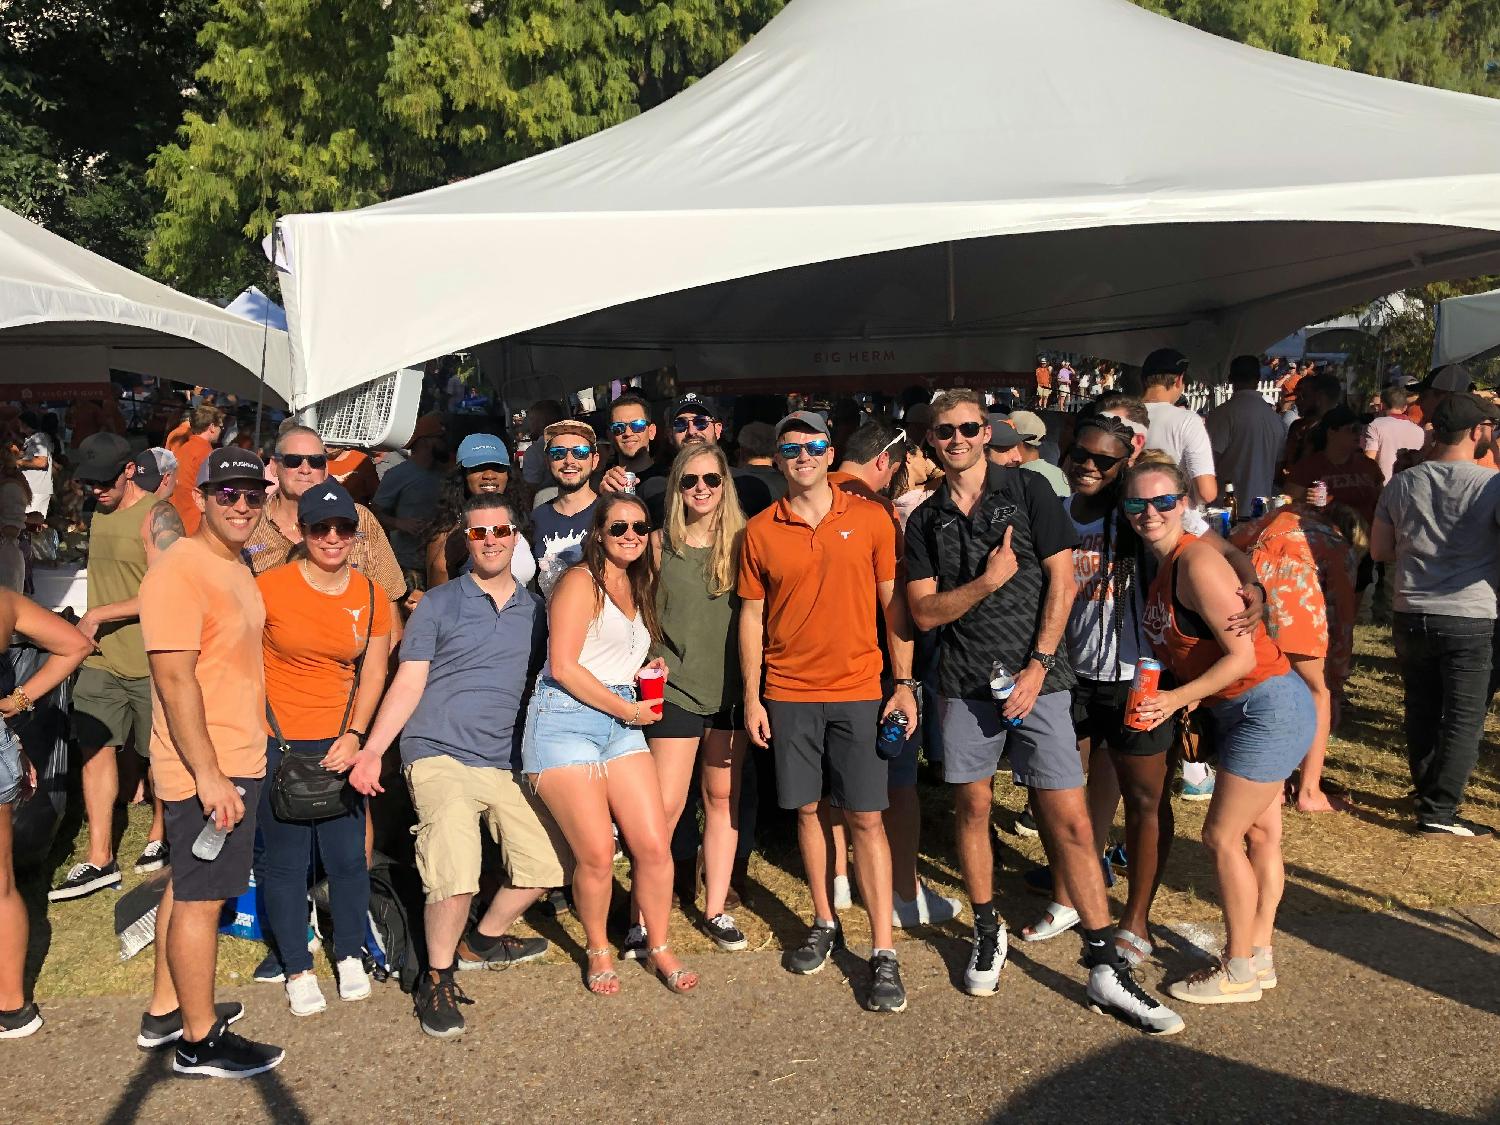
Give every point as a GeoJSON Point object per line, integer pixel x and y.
{"type": "Point", "coordinates": [1365, 860]}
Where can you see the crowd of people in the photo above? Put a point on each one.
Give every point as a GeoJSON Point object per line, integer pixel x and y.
{"type": "Point", "coordinates": [577, 648]}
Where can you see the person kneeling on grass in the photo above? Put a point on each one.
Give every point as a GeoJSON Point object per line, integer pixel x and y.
{"type": "Point", "coordinates": [469, 652]}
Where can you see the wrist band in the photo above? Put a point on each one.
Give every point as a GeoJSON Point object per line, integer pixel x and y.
{"type": "Point", "coordinates": [636, 714]}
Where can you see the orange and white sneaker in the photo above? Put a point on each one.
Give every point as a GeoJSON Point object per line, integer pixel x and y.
{"type": "Point", "coordinates": [1211, 985]}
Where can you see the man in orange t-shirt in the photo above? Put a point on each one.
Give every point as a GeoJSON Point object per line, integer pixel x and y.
{"type": "Point", "coordinates": [201, 621]}
{"type": "Point", "coordinates": [206, 426]}
{"type": "Point", "coordinates": [813, 569]}
{"type": "Point", "coordinates": [1043, 382]}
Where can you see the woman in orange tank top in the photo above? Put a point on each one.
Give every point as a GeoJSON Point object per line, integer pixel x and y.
{"type": "Point", "coordinates": [1262, 718]}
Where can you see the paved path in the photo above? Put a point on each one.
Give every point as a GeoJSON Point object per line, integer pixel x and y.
{"type": "Point", "coordinates": [1379, 1018]}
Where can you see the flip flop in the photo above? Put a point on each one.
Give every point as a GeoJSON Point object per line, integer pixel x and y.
{"type": "Point", "coordinates": [1056, 919]}
{"type": "Point", "coordinates": [1135, 949]}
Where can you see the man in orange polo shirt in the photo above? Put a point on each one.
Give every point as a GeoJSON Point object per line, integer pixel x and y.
{"type": "Point", "coordinates": [206, 426]}
{"type": "Point", "coordinates": [813, 570]}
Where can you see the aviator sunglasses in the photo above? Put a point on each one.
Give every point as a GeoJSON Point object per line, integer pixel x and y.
{"type": "Point", "coordinates": [699, 422]}
{"type": "Point", "coordinates": [617, 529]}
{"type": "Point", "coordinates": [1135, 505]}
{"type": "Point", "coordinates": [477, 533]}
{"type": "Point", "coordinates": [689, 481]}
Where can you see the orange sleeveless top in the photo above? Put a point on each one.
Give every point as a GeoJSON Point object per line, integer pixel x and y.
{"type": "Point", "coordinates": [1190, 656]}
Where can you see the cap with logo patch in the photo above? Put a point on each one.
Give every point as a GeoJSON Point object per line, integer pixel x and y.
{"type": "Point", "coordinates": [1003, 434]}
{"type": "Point", "coordinates": [692, 404]}
{"type": "Point", "coordinates": [102, 457]}
{"type": "Point", "coordinates": [806, 419]}
{"type": "Point", "coordinates": [327, 501]}
{"type": "Point", "coordinates": [232, 465]}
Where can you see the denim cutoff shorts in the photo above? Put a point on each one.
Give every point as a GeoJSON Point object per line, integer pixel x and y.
{"type": "Point", "coordinates": [561, 731]}
{"type": "Point", "coordinates": [1264, 734]}
{"type": "Point", "coordinates": [10, 766]}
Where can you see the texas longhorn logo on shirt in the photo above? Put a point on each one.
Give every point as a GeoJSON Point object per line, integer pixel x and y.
{"type": "Point", "coordinates": [1155, 622]}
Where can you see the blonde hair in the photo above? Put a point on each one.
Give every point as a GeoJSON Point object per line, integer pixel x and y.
{"type": "Point", "coordinates": [728, 519]}
{"type": "Point", "coordinates": [1155, 461]}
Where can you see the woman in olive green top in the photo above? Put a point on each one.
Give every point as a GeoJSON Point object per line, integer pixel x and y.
{"type": "Point", "coordinates": [698, 551]}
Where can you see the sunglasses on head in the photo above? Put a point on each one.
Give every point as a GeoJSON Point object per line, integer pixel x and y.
{"type": "Point", "coordinates": [1135, 505]}
{"type": "Point", "coordinates": [579, 452]}
{"type": "Point", "coordinates": [690, 481]}
{"type": "Point", "coordinates": [342, 528]}
{"type": "Point", "coordinates": [295, 460]}
{"type": "Point", "coordinates": [617, 529]}
{"type": "Point", "coordinates": [1081, 456]}
{"type": "Point", "coordinates": [635, 426]}
{"type": "Point", "coordinates": [945, 430]}
{"type": "Point", "coordinates": [699, 422]}
{"type": "Point", "coordinates": [227, 496]}
{"type": "Point", "coordinates": [791, 450]}
{"type": "Point", "coordinates": [477, 533]}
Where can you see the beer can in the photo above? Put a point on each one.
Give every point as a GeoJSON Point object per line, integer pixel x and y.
{"type": "Point", "coordinates": [630, 482]}
{"type": "Point", "coordinates": [1143, 687]}
{"type": "Point", "coordinates": [1258, 507]}
{"type": "Point", "coordinates": [1281, 500]}
{"type": "Point", "coordinates": [1317, 494]}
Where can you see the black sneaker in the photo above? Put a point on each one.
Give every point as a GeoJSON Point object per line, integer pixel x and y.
{"type": "Point", "coordinates": [1026, 824]}
{"type": "Point", "coordinates": [158, 1031]}
{"type": "Point", "coordinates": [153, 857]}
{"type": "Point", "coordinates": [438, 998]}
{"type": "Point", "coordinates": [1455, 827]}
{"type": "Point", "coordinates": [633, 948]}
{"type": "Point", "coordinates": [813, 953]}
{"type": "Point", "coordinates": [556, 904]}
{"type": "Point", "coordinates": [21, 1022]}
{"type": "Point", "coordinates": [887, 994]}
{"type": "Point", "coordinates": [269, 971]}
{"type": "Point", "coordinates": [223, 1054]}
{"type": "Point", "coordinates": [726, 935]}
{"type": "Point", "coordinates": [480, 951]}
{"type": "Point", "coordinates": [84, 879]}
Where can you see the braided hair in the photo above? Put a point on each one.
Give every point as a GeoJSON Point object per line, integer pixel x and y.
{"type": "Point", "coordinates": [1119, 553]}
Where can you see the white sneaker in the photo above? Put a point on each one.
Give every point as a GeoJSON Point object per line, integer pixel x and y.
{"type": "Point", "coordinates": [353, 983]}
{"type": "Point", "coordinates": [986, 959]}
{"type": "Point", "coordinates": [928, 909]}
{"type": "Point", "coordinates": [842, 899]}
{"type": "Point", "coordinates": [304, 995]}
{"type": "Point", "coordinates": [1113, 991]}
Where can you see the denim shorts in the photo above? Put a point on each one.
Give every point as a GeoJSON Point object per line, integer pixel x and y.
{"type": "Point", "coordinates": [10, 766]}
{"type": "Point", "coordinates": [561, 731]}
{"type": "Point", "coordinates": [1264, 734]}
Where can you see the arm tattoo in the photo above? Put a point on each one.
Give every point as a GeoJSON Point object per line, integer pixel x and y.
{"type": "Point", "coordinates": [166, 526]}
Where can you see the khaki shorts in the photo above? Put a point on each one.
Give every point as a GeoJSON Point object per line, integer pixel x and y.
{"type": "Point", "coordinates": [450, 798]}
{"type": "Point", "coordinates": [108, 709]}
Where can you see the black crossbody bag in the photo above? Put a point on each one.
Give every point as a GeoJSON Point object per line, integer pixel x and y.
{"type": "Point", "coordinates": [302, 788]}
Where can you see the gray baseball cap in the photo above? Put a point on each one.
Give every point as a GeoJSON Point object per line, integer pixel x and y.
{"type": "Point", "coordinates": [807, 419]}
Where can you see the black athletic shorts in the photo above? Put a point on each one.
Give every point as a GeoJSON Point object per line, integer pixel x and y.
{"type": "Point", "coordinates": [814, 742]}
{"type": "Point", "coordinates": [1099, 716]}
{"type": "Point", "coordinates": [678, 722]}
{"type": "Point", "coordinates": [228, 875]}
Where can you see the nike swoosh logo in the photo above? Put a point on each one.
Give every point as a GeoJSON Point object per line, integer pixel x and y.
{"type": "Point", "coordinates": [190, 1059]}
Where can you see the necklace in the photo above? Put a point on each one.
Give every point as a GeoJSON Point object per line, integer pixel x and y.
{"type": "Point", "coordinates": [337, 588]}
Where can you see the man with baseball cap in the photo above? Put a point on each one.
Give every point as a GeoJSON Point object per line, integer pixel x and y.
{"type": "Point", "coordinates": [692, 419]}
{"type": "Point", "coordinates": [1004, 445]}
{"type": "Point", "coordinates": [201, 621]}
{"type": "Point", "coordinates": [814, 568]}
{"type": "Point", "coordinates": [560, 525]}
{"type": "Point", "coordinates": [155, 471]}
{"type": "Point", "coordinates": [1439, 522]}
{"type": "Point", "coordinates": [1175, 430]}
{"type": "Point", "coordinates": [131, 526]}
{"type": "Point", "coordinates": [1033, 431]}
{"type": "Point", "coordinates": [409, 494]}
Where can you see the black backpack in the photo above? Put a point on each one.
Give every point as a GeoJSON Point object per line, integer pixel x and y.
{"type": "Point", "coordinates": [396, 904]}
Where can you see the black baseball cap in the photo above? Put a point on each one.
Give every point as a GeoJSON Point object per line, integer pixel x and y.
{"type": "Point", "coordinates": [102, 457]}
{"type": "Point", "coordinates": [149, 470]}
{"type": "Point", "coordinates": [1003, 432]}
{"type": "Point", "coordinates": [327, 501]}
{"type": "Point", "coordinates": [1164, 361]}
{"type": "Point", "coordinates": [692, 404]}
{"type": "Point", "coordinates": [1450, 377]}
{"type": "Point", "coordinates": [1461, 411]}
{"type": "Point", "coordinates": [232, 465]}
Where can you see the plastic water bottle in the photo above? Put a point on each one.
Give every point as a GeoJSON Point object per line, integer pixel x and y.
{"type": "Point", "coordinates": [1002, 683]}
{"type": "Point", "coordinates": [210, 841]}
{"type": "Point", "coordinates": [892, 736]}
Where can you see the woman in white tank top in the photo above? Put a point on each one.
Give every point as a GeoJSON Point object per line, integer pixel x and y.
{"type": "Point", "coordinates": [583, 747]}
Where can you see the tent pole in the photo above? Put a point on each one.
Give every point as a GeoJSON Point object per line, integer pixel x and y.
{"type": "Point", "coordinates": [952, 288]}
{"type": "Point", "coordinates": [260, 399]}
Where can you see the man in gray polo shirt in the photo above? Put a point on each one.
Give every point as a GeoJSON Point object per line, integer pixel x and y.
{"type": "Point", "coordinates": [471, 651]}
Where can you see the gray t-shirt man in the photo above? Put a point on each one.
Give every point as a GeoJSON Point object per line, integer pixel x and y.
{"type": "Point", "coordinates": [1446, 516]}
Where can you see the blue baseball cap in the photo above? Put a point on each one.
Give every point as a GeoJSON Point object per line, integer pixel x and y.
{"type": "Point", "coordinates": [326, 501]}
{"type": "Point", "coordinates": [482, 449]}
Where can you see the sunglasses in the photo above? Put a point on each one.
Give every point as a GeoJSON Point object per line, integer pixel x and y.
{"type": "Point", "coordinates": [341, 528]}
{"type": "Point", "coordinates": [690, 481]}
{"type": "Point", "coordinates": [579, 452]}
{"type": "Point", "coordinates": [1135, 505]}
{"type": "Point", "coordinates": [1081, 456]}
{"type": "Point", "coordinates": [488, 467]}
{"type": "Point", "coordinates": [477, 533]}
{"type": "Point", "coordinates": [617, 529]}
{"type": "Point", "coordinates": [635, 426]}
{"type": "Point", "coordinates": [946, 430]}
{"type": "Point", "coordinates": [228, 496]}
{"type": "Point", "coordinates": [699, 422]}
{"type": "Point", "coordinates": [791, 450]}
{"type": "Point", "coordinates": [295, 460]}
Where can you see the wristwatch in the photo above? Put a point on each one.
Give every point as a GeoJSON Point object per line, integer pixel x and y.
{"type": "Point", "coordinates": [359, 734]}
{"type": "Point", "coordinates": [1047, 661]}
{"type": "Point", "coordinates": [914, 685]}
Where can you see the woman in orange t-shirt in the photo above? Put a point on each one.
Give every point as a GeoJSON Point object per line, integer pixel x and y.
{"type": "Point", "coordinates": [1262, 717]}
{"type": "Point", "coordinates": [326, 645]}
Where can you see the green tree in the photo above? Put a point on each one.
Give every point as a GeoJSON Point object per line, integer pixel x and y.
{"type": "Point", "coordinates": [1288, 27]}
{"type": "Point", "coordinates": [326, 105]}
{"type": "Point", "coordinates": [1452, 44]}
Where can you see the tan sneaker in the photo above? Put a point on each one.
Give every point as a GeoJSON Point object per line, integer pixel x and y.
{"type": "Point", "coordinates": [1211, 985]}
{"type": "Point", "coordinates": [1265, 969]}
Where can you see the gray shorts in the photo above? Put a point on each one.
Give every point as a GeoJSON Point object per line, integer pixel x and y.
{"type": "Point", "coordinates": [807, 736]}
{"type": "Point", "coordinates": [107, 710]}
{"type": "Point", "coordinates": [1043, 750]}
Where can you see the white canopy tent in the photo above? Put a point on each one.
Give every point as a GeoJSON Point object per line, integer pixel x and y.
{"type": "Point", "coordinates": [871, 176]}
{"type": "Point", "coordinates": [68, 316]}
{"type": "Point", "coordinates": [1468, 328]}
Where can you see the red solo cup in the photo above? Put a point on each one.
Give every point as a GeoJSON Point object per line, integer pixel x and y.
{"type": "Point", "coordinates": [653, 682]}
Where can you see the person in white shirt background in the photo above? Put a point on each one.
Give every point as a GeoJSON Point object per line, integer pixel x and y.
{"type": "Point", "coordinates": [1246, 434]}
{"type": "Point", "coordinates": [37, 454]}
{"type": "Point", "coordinates": [1175, 429]}
{"type": "Point", "coordinates": [1386, 436]}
